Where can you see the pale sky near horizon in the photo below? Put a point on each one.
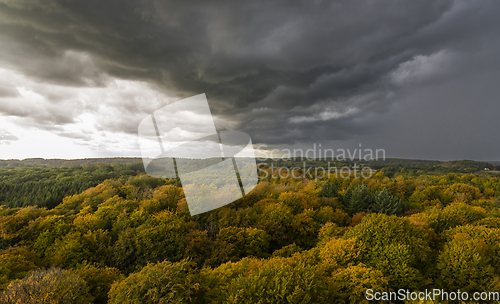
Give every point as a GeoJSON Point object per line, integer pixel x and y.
{"type": "Point", "coordinates": [418, 79]}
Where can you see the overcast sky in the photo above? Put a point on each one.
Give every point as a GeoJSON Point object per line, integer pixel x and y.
{"type": "Point", "coordinates": [419, 79]}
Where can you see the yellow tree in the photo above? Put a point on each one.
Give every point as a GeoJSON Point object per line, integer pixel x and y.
{"type": "Point", "coordinates": [395, 246]}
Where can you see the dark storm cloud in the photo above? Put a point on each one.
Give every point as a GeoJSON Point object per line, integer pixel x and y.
{"type": "Point", "coordinates": [283, 71]}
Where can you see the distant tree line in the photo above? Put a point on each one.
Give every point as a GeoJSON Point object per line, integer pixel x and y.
{"type": "Point", "coordinates": [43, 187]}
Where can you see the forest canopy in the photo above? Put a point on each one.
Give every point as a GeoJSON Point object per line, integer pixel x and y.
{"type": "Point", "coordinates": [120, 236]}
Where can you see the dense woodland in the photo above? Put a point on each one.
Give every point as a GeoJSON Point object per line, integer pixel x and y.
{"type": "Point", "coordinates": [46, 187]}
{"type": "Point", "coordinates": [120, 236]}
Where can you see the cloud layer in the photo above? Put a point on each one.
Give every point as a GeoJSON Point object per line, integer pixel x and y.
{"type": "Point", "coordinates": [287, 73]}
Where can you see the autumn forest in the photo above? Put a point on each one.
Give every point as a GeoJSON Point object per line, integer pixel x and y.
{"type": "Point", "coordinates": [108, 233]}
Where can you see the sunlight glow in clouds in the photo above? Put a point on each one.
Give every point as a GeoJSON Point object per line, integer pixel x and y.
{"type": "Point", "coordinates": [51, 121]}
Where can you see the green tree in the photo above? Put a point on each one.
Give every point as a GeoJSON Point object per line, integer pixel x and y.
{"type": "Point", "coordinates": [198, 246]}
{"type": "Point", "coordinates": [329, 190]}
{"type": "Point", "coordinates": [361, 200]}
{"type": "Point", "coordinates": [15, 263]}
{"type": "Point", "coordinates": [470, 258]}
{"type": "Point", "coordinates": [349, 284]}
{"type": "Point", "coordinates": [336, 253]}
{"type": "Point", "coordinates": [161, 237]}
{"type": "Point", "coordinates": [464, 264]}
{"type": "Point", "coordinates": [162, 282]}
{"type": "Point", "coordinates": [53, 285]}
{"type": "Point", "coordinates": [395, 246]}
{"type": "Point", "coordinates": [453, 215]}
{"type": "Point", "coordinates": [305, 230]}
{"type": "Point", "coordinates": [278, 280]}
{"type": "Point", "coordinates": [346, 198]}
{"type": "Point", "coordinates": [276, 220]}
{"type": "Point", "coordinates": [327, 214]}
{"type": "Point", "coordinates": [99, 280]}
{"type": "Point", "coordinates": [234, 243]}
{"type": "Point", "coordinates": [386, 203]}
